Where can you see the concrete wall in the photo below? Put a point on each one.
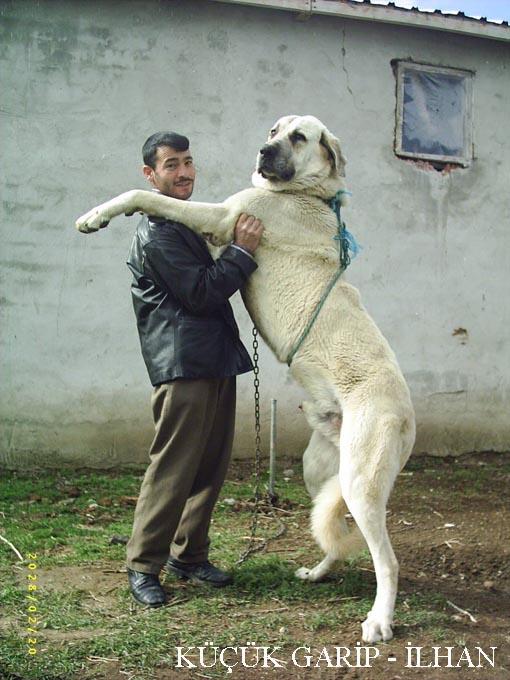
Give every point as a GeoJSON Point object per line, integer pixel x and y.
{"type": "Point", "coordinates": [85, 83]}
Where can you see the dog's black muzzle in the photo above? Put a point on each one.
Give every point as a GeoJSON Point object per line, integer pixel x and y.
{"type": "Point", "coordinates": [273, 163]}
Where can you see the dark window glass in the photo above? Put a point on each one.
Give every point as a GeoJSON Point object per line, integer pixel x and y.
{"type": "Point", "coordinates": [434, 113]}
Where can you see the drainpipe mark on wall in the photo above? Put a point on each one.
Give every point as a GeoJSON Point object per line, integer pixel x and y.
{"type": "Point", "coordinates": [439, 192]}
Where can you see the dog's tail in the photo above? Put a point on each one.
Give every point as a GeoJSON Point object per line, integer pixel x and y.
{"type": "Point", "coordinates": [329, 526]}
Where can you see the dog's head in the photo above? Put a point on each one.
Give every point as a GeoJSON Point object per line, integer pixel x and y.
{"type": "Point", "coordinates": [301, 154]}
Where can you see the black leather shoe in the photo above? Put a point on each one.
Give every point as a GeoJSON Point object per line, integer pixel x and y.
{"type": "Point", "coordinates": [200, 572]}
{"type": "Point", "coordinates": [146, 588]}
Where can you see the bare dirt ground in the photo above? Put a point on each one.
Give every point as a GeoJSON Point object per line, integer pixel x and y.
{"type": "Point", "coordinates": [450, 527]}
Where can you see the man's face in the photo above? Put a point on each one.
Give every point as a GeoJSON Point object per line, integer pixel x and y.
{"type": "Point", "coordinates": [173, 174]}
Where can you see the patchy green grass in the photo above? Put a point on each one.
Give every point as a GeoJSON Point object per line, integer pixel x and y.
{"type": "Point", "coordinates": [68, 518]}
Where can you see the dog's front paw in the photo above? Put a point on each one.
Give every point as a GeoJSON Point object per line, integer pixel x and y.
{"type": "Point", "coordinates": [374, 629]}
{"type": "Point", "coordinates": [92, 221]}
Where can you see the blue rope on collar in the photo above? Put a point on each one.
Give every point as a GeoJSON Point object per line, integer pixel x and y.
{"type": "Point", "coordinates": [349, 248]}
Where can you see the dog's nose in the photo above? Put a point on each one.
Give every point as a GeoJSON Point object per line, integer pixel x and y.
{"type": "Point", "coordinates": [267, 150]}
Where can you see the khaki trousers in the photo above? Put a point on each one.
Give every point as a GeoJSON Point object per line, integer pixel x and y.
{"type": "Point", "coordinates": [189, 455]}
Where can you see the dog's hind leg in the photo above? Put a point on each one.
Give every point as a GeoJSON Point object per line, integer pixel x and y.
{"type": "Point", "coordinates": [372, 445]}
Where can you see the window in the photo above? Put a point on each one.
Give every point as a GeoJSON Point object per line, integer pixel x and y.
{"type": "Point", "coordinates": [434, 113]}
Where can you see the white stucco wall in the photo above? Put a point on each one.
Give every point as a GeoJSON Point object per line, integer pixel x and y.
{"type": "Point", "coordinates": [85, 83]}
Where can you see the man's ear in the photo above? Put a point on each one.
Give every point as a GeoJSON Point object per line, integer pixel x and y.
{"type": "Point", "coordinates": [148, 173]}
{"type": "Point", "coordinates": [332, 146]}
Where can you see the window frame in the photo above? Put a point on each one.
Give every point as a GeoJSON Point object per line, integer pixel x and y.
{"type": "Point", "coordinates": [467, 156]}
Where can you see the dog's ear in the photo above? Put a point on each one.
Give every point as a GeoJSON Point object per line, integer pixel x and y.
{"type": "Point", "coordinates": [332, 146]}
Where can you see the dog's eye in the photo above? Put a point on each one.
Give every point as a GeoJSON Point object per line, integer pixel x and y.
{"type": "Point", "coordinates": [298, 137]}
{"type": "Point", "coordinates": [272, 132]}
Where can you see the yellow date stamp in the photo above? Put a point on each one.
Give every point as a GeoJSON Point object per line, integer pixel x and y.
{"type": "Point", "coordinates": [32, 609]}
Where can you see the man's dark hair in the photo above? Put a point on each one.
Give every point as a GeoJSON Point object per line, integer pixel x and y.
{"type": "Point", "coordinates": [150, 148]}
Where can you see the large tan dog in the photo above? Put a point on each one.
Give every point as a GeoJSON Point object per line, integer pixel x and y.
{"type": "Point", "coordinates": [345, 363]}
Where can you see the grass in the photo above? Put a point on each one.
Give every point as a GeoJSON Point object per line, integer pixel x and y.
{"type": "Point", "coordinates": [68, 518]}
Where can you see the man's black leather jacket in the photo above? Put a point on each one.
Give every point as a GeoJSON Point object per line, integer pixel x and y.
{"type": "Point", "coordinates": [180, 297]}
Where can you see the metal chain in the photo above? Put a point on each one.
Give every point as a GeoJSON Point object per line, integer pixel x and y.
{"type": "Point", "coordinates": [258, 453]}
{"type": "Point", "coordinates": [252, 548]}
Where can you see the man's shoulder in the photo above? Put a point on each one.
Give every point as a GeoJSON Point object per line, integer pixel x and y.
{"type": "Point", "coordinates": [152, 228]}
{"type": "Point", "coordinates": [158, 234]}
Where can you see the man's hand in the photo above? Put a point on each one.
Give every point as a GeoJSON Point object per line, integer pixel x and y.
{"type": "Point", "coordinates": [248, 232]}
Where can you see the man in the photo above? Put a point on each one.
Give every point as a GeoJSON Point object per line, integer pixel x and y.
{"type": "Point", "coordinates": [191, 347]}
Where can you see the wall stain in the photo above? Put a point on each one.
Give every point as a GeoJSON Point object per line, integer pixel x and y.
{"type": "Point", "coordinates": [13, 206]}
{"type": "Point", "coordinates": [286, 70]}
{"type": "Point", "coordinates": [55, 41]}
{"type": "Point", "coordinates": [56, 46]}
{"type": "Point", "coordinates": [218, 40]}
{"type": "Point", "coordinates": [461, 334]}
{"type": "Point", "coordinates": [145, 54]}
{"type": "Point", "coordinates": [429, 383]}
{"type": "Point", "coordinates": [280, 68]}
{"type": "Point", "coordinates": [440, 186]}
{"type": "Point", "coordinates": [30, 267]}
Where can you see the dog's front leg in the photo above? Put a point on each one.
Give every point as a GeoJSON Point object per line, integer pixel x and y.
{"type": "Point", "coordinates": [215, 221]}
{"type": "Point", "coordinates": [100, 216]}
